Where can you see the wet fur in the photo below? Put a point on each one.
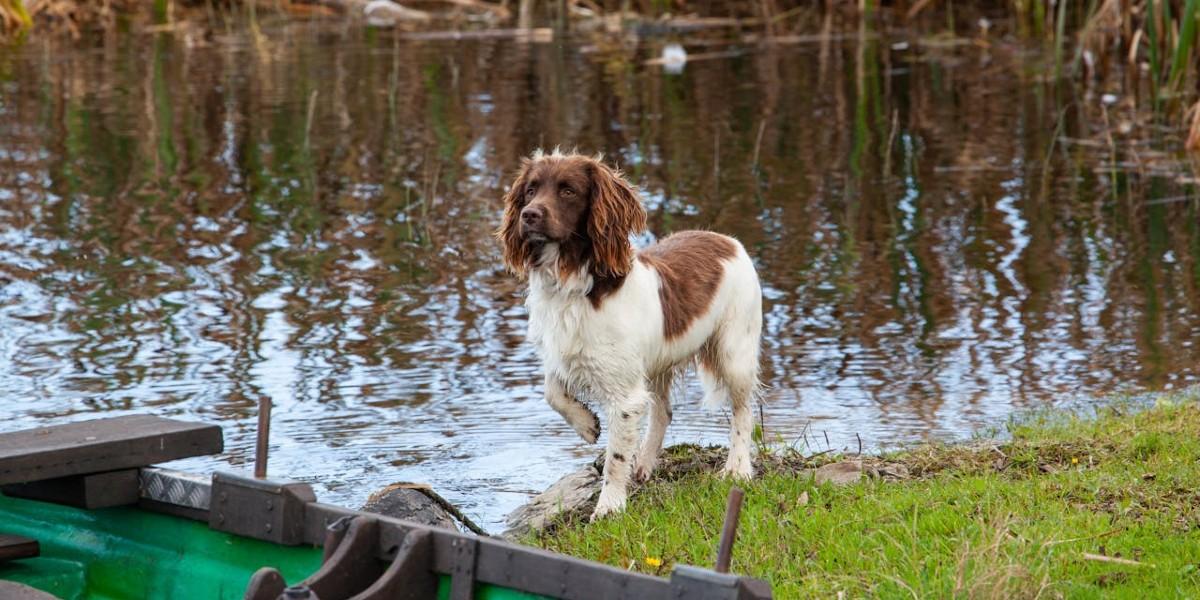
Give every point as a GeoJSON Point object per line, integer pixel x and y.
{"type": "Point", "coordinates": [614, 326]}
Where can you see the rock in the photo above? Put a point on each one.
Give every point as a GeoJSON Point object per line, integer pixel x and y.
{"type": "Point", "coordinates": [406, 501]}
{"type": "Point", "coordinates": [894, 472]}
{"type": "Point", "coordinates": [839, 473]}
{"type": "Point", "coordinates": [571, 493]}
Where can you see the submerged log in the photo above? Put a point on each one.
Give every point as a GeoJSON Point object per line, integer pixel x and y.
{"type": "Point", "coordinates": [419, 503]}
{"type": "Point", "coordinates": [405, 501]}
{"type": "Point", "coordinates": [537, 34]}
{"type": "Point", "coordinates": [385, 13]}
{"type": "Point", "coordinates": [574, 493]}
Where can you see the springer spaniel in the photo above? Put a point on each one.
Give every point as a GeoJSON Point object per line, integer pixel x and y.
{"type": "Point", "coordinates": [614, 325]}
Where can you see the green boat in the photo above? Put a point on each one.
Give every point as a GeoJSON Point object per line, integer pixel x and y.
{"type": "Point", "coordinates": [84, 514]}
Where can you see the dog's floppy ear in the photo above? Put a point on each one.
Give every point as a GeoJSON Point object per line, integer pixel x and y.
{"type": "Point", "coordinates": [616, 212]}
{"type": "Point", "coordinates": [516, 252]}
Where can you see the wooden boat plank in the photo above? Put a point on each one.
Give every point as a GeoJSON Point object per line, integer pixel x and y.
{"type": "Point", "coordinates": [102, 445]}
{"type": "Point", "coordinates": [97, 490]}
{"type": "Point", "coordinates": [13, 547]}
{"type": "Point", "coordinates": [502, 563]}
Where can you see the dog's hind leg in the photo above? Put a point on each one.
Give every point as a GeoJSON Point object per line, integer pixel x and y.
{"type": "Point", "coordinates": [729, 370]}
{"type": "Point", "coordinates": [660, 417]}
{"type": "Point", "coordinates": [579, 417]}
{"type": "Point", "coordinates": [739, 465]}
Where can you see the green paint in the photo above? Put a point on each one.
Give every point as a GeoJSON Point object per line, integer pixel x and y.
{"type": "Point", "coordinates": [130, 553]}
{"type": "Point", "coordinates": [127, 553]}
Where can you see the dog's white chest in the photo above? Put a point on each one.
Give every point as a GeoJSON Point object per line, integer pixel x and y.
{"type": "Point", "coordinates": [558, 327]}
{"type": "Point", "coordinates": [575, 343]}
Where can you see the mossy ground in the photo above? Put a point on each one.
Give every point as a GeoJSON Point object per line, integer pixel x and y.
{"type": "Point", "coordinates": [1102, 505]}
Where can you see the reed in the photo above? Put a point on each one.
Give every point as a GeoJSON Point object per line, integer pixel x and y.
{"type": "Point", "coordinates": [1193, 119]}
{"type": "Point", "coordinates": [1084, 37]}
{"type": "Point", "coordinates": [14, 16]}
{"type": "Point", "coordinates": [1185, 43]}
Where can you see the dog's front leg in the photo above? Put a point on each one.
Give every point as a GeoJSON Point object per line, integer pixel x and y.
{"type": "Point", "coordinates": [579, 417]}
{"type": "Point", "coordinates": [624, 418]}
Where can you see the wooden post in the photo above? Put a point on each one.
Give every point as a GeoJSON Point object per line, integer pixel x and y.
{"type": "Point", "coordinates": [263, 437]}
{"type": "Point", "coordinates": [733, 510]}
{"type": "Point", "coordinates": [525, 14]}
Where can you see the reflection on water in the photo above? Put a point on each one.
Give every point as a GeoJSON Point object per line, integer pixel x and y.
{"type": "Point", "coordinates": [187, 229]}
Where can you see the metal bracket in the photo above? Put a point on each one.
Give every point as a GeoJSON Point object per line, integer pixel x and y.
{"type": "Point", "coordinates": [259, 508]}
{"type": "Point", "coordinates": [695, 583]}
{"type": "Point", "coordinates": [177, 488]}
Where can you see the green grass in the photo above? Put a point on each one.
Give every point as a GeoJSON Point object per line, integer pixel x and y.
{"type": "Point", "coordinates": [990, 519]}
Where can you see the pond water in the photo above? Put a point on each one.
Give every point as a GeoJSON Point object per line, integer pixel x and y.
{"type": "Point", "coordinates": [188, 225]}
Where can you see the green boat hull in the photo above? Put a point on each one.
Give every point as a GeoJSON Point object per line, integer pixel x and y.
{"type": "Point", "coordinates": [128, 553]}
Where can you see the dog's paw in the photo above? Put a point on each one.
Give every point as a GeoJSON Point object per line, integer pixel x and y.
{"type": "Point", "coordinates": [590, 432]}
{"type": "Point", "coordinates": [739, 471]}
{"type": "Point", "coordinates": [601, 511]}
{"type": "Point", "coordinates": [643, 470]}
{"type": "Point", "coordinates": [608, 504]}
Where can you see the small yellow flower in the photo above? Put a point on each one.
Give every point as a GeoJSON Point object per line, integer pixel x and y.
{"type": "Point", "coordinates": [654, 562]}
{"type": "Point", "coordinates": [1074, 460]}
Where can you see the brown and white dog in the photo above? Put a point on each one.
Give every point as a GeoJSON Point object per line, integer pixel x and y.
{"type": "Point", "coordinates": [613, 325]}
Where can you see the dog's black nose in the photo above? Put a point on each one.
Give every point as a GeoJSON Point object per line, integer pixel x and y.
{"type": "Point", "coordinates": [531, 216]}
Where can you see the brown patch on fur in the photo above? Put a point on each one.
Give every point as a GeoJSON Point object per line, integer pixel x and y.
{"type": "Point", "coordinates": [602, 287]}
{"type": "Point", "coordinates": [689, 263]}
{"type": "Point", "coordinates": [518, 253]}
{"type": "Point", "coordinates": [616, 213]}
{"type": "Point", "coordinates": [591, 222]}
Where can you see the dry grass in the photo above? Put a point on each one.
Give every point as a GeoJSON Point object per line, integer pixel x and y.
{"type": "Point", "coordinates": [14, 16]}
{"type": "Point", "coordinates": [1192, 120]}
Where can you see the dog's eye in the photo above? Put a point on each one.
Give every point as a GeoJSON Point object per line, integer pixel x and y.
{"type": "Point", "coordinates": [530, 190]}
{"type": "Point", "coordinates": [566, 192]}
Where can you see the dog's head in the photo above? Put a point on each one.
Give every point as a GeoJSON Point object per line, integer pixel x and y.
{"type": "Point", "coordinates": [576, 203]}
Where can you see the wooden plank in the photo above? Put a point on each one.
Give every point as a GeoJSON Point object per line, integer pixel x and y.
{"type": "Point", "coordinates": [13, 547]}
{"type": "Point", "coordinates": [504, 564]}
{"type": "Point", "coordinates": [102, 445]}
{"type": "Point", "coordinates": [98, 490]}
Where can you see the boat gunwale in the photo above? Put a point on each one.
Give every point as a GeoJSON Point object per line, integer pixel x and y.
{"type": "Point", "coordinates": [493, 561]}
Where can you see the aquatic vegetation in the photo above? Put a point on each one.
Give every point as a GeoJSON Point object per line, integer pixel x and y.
{"type": "Point", "coordinates": [1090, 41]}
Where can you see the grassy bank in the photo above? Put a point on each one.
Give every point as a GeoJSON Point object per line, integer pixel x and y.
{"type": "Point", "coordinates": [1069, 506]}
